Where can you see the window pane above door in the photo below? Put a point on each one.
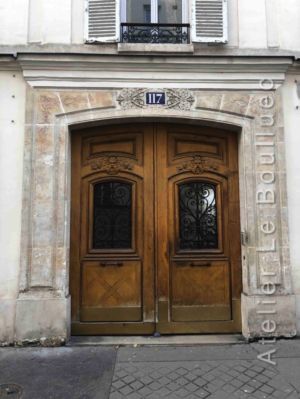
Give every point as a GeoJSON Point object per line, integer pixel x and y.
{"type": "Point", "coordinates": [170, 11]}
{"type": "Point", "coordinates": [138, 11]}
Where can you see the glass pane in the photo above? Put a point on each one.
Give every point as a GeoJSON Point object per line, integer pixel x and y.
{"type": "Point", "coordinates": [198, 216]}
{"type": "Point", "coordinates": [170, 11]}
{"type": "Point", "coordinates": [112, 215]}
{"type": "Point", "coordinates": [139, 11]}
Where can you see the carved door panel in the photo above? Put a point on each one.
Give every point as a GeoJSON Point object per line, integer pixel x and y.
{"type": "Point", "coordinates": [112, 231]}
{"type": "Point", "coordinates": [198, 250]}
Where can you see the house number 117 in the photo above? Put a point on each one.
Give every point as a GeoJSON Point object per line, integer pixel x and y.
{"type": "Point", "coordinates": [154, 98]}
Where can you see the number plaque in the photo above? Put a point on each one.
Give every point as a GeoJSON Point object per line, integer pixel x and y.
{"type": "Point", "coordinates": [155, 98]}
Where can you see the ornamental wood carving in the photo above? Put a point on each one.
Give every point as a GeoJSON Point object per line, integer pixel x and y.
{"type": "Point", "coordinates": [197, 165]}
{"type": "Point", "coordinates": [111, 165]}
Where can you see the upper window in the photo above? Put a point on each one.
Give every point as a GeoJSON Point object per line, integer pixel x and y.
{"type": "Point", "coordinates": [156, 21]}
{"type": "Point", "coordinates": [152, 11]}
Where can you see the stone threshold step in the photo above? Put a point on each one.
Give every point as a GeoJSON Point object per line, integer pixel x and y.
{"type": "Point", "coordinates": [184, 340]}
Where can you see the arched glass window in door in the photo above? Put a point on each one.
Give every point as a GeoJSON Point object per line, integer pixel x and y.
{"type": "Point", "coordinates": [112, 215]}
{"type": "Point", "coordinates": [198, 228]}
{"type": "Point", "coordinates": [154, 21]}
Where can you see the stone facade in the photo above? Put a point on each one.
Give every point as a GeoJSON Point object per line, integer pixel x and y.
{"type": "Point", "coordinates": [43, 304]}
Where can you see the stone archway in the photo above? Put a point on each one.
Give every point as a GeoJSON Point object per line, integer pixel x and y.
{"type": "Point", "coordinates": [268, 306]}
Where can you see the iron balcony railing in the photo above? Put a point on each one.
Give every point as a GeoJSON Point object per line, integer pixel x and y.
{"type": "Point", "coordinates": [155, 33]}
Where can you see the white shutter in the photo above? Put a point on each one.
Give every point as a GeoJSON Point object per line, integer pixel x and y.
{"type": "Point", "coordinates": [102, 20]}
{"type": "Point", "coordinates": [209, 22]}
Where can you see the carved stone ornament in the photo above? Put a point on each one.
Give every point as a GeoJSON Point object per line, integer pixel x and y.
{"type": "Point", "coordinates": [197, 165]}
{"type": "Point", "coordinates": [181, 99]}
{"type": "Point", "coordinates": [111, 165]}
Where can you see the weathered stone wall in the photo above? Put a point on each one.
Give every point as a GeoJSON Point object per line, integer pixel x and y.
{"type": "Point", "coordinates": [12, 110]}
{"type": "Point", "coordinates": [43, 305]}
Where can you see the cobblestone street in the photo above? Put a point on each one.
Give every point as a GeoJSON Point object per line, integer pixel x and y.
{"type": "Point", "coordinates": [207, 379]}
{"type": "Point", "coordinates": [151, 372]}
{"type": "Point", "coordinates": [210, 376]}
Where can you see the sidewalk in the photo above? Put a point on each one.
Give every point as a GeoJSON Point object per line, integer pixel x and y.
{"type": "Point", "coordinates": [152, 372]}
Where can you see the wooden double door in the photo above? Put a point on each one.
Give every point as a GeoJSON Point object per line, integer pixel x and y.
{"type": "Point", "coordinates": [155, 236]}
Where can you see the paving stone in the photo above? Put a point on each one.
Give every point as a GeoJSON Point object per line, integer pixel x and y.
{"type": "Point", "coordinates": [191, 377]}
{"type": "Point", "coordinates": [182, 393]}
{"type": "Point", "coordinates": [229, 388]}
{"type": "Point", "coordinates": [116, 395]}
{"type": "Point", "coordinates": [181, 381]}
{"type": "Point", "coordinates": [146, 380]}
{"type": "Point", "coordinates": [201, 393]}
{"type": "Point", "coordinates": [164, 380]}
{"type": "Point", "coordinates": [248, 389]}
{"type": "Point", "coordinates": [262, 378]}
{"type": "Point", "coordinates": [254, 383]}
{"type": "Point", "coordinates": [134, 395]}
{"type": "Point", "coordinates": [126, 390]}
{"type": "Point", "coordinates": [128, 379]}
{"type": "Point", "coordinates": [191, 387]}
{"type": "Point", "coordinates": [145, 392]}
{"type": "Point", "coordinates": [260, 395]}
{"type": "Point", "coordinates": [244, 378]}
{"type": "Point", "coordinates": [136, 385]}
{"type": "Point", "coordinates": [172, 386]}
{"type": "Point", "coordinates": [118, 384]}
{"type": "Point", "coordinates": [267, 389]}
{"type": "Point", "coordinates": [237, 383]}
{"type": "Point", "coordinates": [200, 381]}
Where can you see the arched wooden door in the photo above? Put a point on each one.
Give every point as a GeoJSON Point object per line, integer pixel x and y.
{"type": "Point", "coordinates": [155, 236]}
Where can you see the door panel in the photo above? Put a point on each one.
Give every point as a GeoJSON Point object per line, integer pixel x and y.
{"type": "Point", "coordinates": [197, 175]}
{"type": "Point", "coordinates": [112, 253]}
{"type": "Point", "coordinates": [155, 230]}
{"type": "Point", "coordinates": [111, 291]}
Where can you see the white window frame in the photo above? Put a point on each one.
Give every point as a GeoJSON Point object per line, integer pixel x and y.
{"type": "Point", "coordinates": [154, 11]}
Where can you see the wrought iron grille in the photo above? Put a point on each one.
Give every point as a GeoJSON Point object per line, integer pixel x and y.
{"type": "Point", "coordinates": [198, 216]}
{"type": "Point", "coordinates": [155, 33]}
{"type": "Point", "coordinates": [112, 215]}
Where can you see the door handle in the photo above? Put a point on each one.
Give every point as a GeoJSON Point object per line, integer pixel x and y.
{"type": "Point", "coordinates": [194, 264]}
{"type": "Point", "coordinates": [200, 264]}
{"type": "Point", "coordinates": [111, 263]}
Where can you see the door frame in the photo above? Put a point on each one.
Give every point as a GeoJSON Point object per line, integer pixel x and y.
{"type": "Point", "coordinates": [147, 328]}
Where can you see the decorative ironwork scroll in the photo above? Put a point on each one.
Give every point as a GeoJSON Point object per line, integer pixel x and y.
{"type": "Point", "coordinates": [155, 33]}
{"type": "Point", "coordinates": [181, 99]}
{"type": "Point", "coordinates": [112, 215]}
{"type": "Point", "coordinates": [197, 165]}
{"type": "Point", "coordinates": [111, 165]}
{"type": "Point", "coordinates": [197, 216]}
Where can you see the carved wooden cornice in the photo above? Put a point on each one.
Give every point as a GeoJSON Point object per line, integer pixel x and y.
{"type": "Point", "coordinates": [112, 165]}
{"type": "Point", "coordinates": [197, 165]}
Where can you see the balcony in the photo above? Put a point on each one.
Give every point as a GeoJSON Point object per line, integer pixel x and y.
{"type": "Point", "coordinates": [155, 33]}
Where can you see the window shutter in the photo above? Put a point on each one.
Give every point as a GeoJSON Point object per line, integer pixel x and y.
{"type": "Point", "coordinates": [102, 20]}
{"type": "Point", "coordinates": [209, 22]}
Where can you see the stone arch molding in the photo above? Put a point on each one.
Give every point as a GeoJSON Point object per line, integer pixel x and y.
{"type": "Point", "coordinates": [268, 304]}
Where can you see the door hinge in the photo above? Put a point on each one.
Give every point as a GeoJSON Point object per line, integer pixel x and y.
{"type": "Point", "coordinates": [244, 237]}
